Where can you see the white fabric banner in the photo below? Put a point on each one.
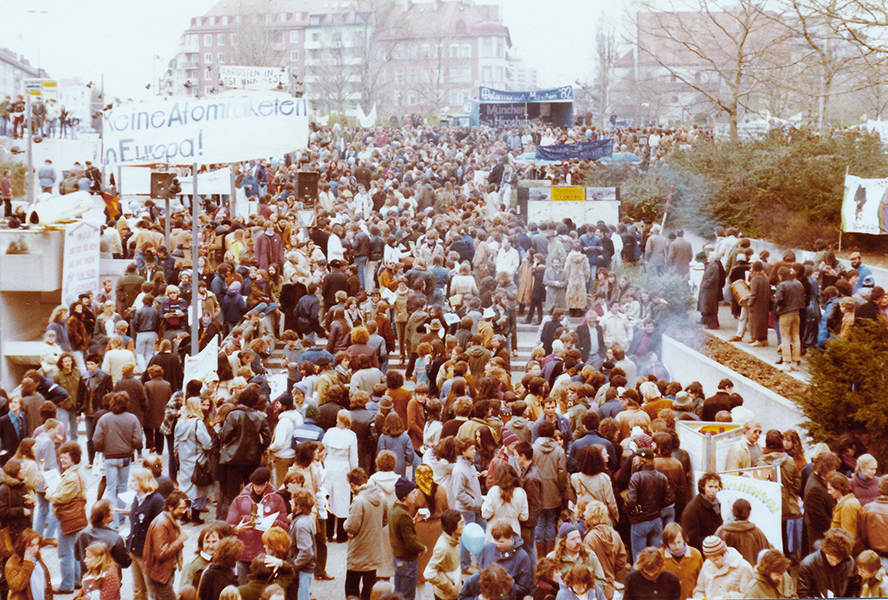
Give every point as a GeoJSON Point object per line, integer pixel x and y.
{"type": "Point", "coordinates": [80, 265]}
{"type": "Point", "coordinates": [765, 499]}
{"type": "Point", "coordinates": [183, 131]}
{"type": "Point", "coordinates": [205, 362]}
{"type": "Point", "coordinates": [253, 78]}
{"type": "Point", "coordinates": [865, 205]}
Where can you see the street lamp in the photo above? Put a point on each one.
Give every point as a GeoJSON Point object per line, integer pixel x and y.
{"type": "Point", "coordinates": [38, 13]}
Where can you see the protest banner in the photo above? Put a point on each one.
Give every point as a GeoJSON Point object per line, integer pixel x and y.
{"type": "Point", "coordinates": [253, 78]}
{"type": "Point", "coordinates": [581, 151]}
{"type": "Point", "coordinates": [865, 205]}
{"type": "Point", "coordinates": [185, 131]}
{"type": "Point", "coordinates": [203, 363]}
{"type": "Point", "coordinates": [80, 264]}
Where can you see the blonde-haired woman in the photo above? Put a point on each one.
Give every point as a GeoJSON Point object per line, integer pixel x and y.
{"type": "Point", "coordinates": [193, 441]}
{"type": "Point", "coordinates": [341, 445]}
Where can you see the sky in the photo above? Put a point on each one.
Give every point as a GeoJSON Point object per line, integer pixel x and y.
{"type": "Point", "coordinates": [121, 38]}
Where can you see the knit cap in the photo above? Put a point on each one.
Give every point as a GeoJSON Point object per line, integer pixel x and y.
{"type": "Point", "coordinates": [509, 437]}
{"type": "Point", "coordinates": [566, 529]}
{"type": "Point", "coordinates": [404, 486]}
{"type": "Point", "coordinates": [713, 546]}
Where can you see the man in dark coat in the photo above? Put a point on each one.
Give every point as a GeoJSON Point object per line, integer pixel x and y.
{"type": "Point", "coordinates": [702, 516]}
{"type": "Point", "coordinates": [707, 302]}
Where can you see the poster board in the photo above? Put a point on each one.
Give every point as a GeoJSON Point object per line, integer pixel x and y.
{"type": "Point", "coordinates": [865, 205]}
{"type": "Point", "coordinates": [764, 497]}
{"type": "Point", "coordinates": [253, 78]}
{"type": "Point", "coordinates": [708, 444]}
{"type": "Point", "coordinates": [80, 264]}
{"type": "Point", "coordinates": [581, 205]}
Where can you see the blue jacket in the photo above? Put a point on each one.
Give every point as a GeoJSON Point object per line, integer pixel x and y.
{"type": "Point", "coordinates": [823, 334]}
{"type": "Point", "coordinates": [401, 446]}
{"type": "Point", "coordinates": [141, 516]}
{"type": "Point", "coordinates": [516, 563]}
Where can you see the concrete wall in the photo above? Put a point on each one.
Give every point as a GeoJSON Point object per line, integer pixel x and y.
{"type": "Point", "coordinates": [687, 365]}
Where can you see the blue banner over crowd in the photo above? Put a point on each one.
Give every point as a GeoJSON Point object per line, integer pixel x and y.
{"type": "Point", "coordinates": [489, 95]}
{"type": "Point", "coordinates": [582, 151]}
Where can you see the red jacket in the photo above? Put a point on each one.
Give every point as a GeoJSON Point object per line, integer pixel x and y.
{"type": "Point", "coordinates": [242, 508]}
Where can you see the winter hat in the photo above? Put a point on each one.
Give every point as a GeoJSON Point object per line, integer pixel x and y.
{"type": "Point", "coordinates": [566, 529]}
{"type": "Point", "coordinates": [645, 453]}
{"type": "Point", "coordinates": [386, 403]}
{"type": "Point", "coordinates": [557, 346]}
{"type": "Point", "coordinates": [404, 486]}
{"type": "Point", "coordinates": [509, 437]}
{"type": "Point", "coordinates": [713, 546]}
{"type": "Point", "coordinates": [235, 287]}
{"type": "Point", "coordinates": [643, 440]}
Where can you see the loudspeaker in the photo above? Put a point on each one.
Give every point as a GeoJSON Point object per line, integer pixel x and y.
{"type": "Point", "coordinates": [307, 185]}
{"type": "Point", "coordinates": [160, 185]}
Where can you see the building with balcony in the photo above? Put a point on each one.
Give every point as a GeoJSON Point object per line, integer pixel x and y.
{"type": "Point", "coordinates": [403, 56]}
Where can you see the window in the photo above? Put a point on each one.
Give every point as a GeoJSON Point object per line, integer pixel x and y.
{"type": "Point", "coordinates": [411, 75]}
{"type": "Point", "coordinates": [426, 51]}
{"type": "Point", "coordinates": [220, 39]}
{"type": "Point", "coordinates": [466, 51]}
{"type": "Point", "coordinates": [412, 99]}
{"type": "Point", "coordinates": [269, 18]}
{"type": "Point", "coordinates": [221, 58]}
{"type": "Point", "coordinates": [237, 19]}
{"type": "Point", "coordinates": [425, 75]}
{"type": "Point", "coordinates": [208, 58]}
{"type": "Point", "coordinates": [208, 90]}
{"type": "Point", "coordinates": [284, 17]}
{"type": "Point", "coordinates": [439, 50]}
{"type": "Point", "coordinates": [225, 19]}
{"type": "Point", "coordinates": [234, 39]}
{"type": "Point", "coordinates": [454, 98]}
{"type": "Point", "coordinates": [192, 42]}
{"type": "Point", "coordinates": [486, 75]}
{"type": "Point", "coordinates": [294, 56]}
{"type": "Point", "coordinates": [399, 52]}
{"type": "Point", "coordinates": [499, 50]}
{"type": "Point", "coordinates": [338, 19]}
{"type": "Point", "coordinates": [487, 49]}
{"type": "Point", "coordinates": [453, 76]}
{"type": "Point", "coordinates": [294, 36]}
{"type": "Point", "coordinates": [397, 101]}
{"type": "Point", "coordinates": [499, 74]}
{"type": "Point", "coordinates": [315, 20]}
{"type": "Point", "coordinates": [316, 37]}
{"type": "Point", "coordinates": [208, 39]}
{"type": "Point", "coordinates": [466, 75]}
{"type": "Point", "coordinates": [454, 51]}
{"type": "Point", "coordinates": [412, 51]}
{"type": "Point", "coordinates": [399, 76]}
{"type": "Point", "coordinates": [466, 94]}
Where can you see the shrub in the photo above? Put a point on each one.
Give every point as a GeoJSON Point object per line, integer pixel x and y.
{"type": "Point", "coordinates": [846, 393]}
{"type": "Point", "coordinates": [17, 173]}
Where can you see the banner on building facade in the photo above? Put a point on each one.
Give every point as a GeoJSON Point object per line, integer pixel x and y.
{"type": "Point", "coordinates": [183, 131]}
{"type": "Point", "coordinates": [80, 265]}
{"type": "Point", "coordinates": [562, 94]}
{"type": "Point", "coordinates": [865, 205]}
{"type": "Point", "coordinates": [253, 78]}
{"type": "Point", "coordinates": [581, 151]}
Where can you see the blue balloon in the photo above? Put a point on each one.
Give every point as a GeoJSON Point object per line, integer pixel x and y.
{"type": "Point", "coordinates": [473, 538]}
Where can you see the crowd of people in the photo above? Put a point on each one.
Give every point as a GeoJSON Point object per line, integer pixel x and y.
{"type": "Point", "coordinates": [406, 428]}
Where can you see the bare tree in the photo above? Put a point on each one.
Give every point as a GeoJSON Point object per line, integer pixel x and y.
{"type": "Point", "coordinates": [378, 29]}
{"type": "Point", "coordinates": [333, 69]}
{"type": "Point", "coordinates": [255, 43]}
{"type": "Point", "coordinates": [713, 49]}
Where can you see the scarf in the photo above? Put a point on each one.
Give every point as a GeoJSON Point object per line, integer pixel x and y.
{"type": "Point", "coordinates": [678, 555]}
{"type": "Point", "coordinates": [863, 480]}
